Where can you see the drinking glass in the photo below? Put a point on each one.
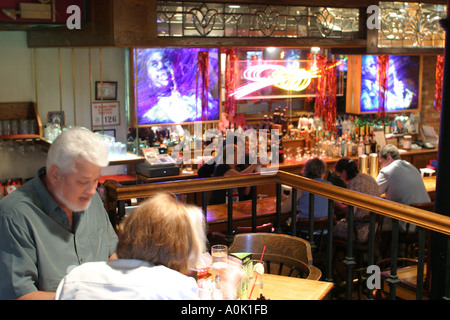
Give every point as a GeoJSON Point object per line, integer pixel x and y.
{"type": "Point", "coordinates": [6, 126]}
{"type": "Point", "coordinates": [24, 126]}
{"type": "Point", "coordinates": [14, 126]}
{"type": "Point", "coordinates": [255, 279]}
{"type": "Point", "coordinates": [33, 126]}
{"type": "Point", "coordinates": [219, 254]}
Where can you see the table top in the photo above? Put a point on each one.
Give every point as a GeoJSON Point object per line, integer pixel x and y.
{"type": "Point", "coordinates": [430, 183]}
{"type": "Point", "coordinates": [291, 288]}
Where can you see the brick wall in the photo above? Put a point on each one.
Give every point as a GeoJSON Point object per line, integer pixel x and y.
{"type": "Point", "coordinates": [428, 115]}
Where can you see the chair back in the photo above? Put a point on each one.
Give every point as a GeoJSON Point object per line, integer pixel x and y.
{"type": "Point", "coordinates": [284, 254]}
{"type": "Point", "coordinates": [429, 206]}
{"type": "Point", "coordinates": [267, 227]}
{"type": "Point", "coordinates": [320, 231]}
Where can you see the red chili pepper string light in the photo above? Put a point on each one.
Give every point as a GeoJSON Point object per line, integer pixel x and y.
{"type": "Point", "coordinates": [230, 82]}
{"type": "Point", "coordinates": [326, 86]}
{"type": "Point", "coordinates": [382, 78]}
{"type": "Point", "coordinates": [438, 83]}
{"type": "Point", "coordinates": [202, 74]}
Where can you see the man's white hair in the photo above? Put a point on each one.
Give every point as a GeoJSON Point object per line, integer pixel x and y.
{"type": "Point", "coordinates": [77, 144]}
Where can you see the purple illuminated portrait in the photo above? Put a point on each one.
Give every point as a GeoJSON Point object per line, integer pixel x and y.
{"type": "Point", "coordinates": [403, 83]}
{"type": "Point", "coordinates": [167, 87]}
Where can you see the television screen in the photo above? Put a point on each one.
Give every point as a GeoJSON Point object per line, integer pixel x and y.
{"type": "Point", "coordinates": [169, 88]}
{"type": "Point", "coordinates": [403, 83]}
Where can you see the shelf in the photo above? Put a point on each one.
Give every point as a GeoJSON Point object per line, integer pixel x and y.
{"type": "Point", "coordinates": [128, 159]}
{"type": "Point", "coordinates": [19, 136]}
{"type": "Point", "coordinates": [21, 110]}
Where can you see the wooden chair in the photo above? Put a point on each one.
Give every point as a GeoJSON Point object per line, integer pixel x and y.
{"type": "Point", "coordinates": [216, 237]}
{"type": "Point", "coordinates": [320, 228]}
{"type": "Point", "coordinates": [361, 249]}
{"type": "Point", "coordinates": [284, 255]}
{"type": "Point", "coordinates": [410, 239]}
{"type": "Point", "coordinates": [360, 252]}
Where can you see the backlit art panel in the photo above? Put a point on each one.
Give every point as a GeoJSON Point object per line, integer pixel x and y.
{"type": "Point", "coordinates": [278, 79]}
{"type": "Point", "coordinates": [403, 83]}
{"type": "Point", "coordinates": [168, 90]}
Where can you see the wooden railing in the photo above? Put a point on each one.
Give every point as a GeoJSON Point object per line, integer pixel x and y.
{"type": "Point", "coordinates": [116, 194]}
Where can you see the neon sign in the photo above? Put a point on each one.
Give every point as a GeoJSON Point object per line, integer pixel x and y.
{"type": "Point", "coordinates": [288, 78]}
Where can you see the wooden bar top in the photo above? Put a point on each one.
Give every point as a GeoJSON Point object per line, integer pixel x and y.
{"type": "Point", "coordinates": [296, 166]}
{"type": "Point", "coordinates": [290, 288]}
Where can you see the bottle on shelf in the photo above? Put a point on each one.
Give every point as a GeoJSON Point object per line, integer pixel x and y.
{"type": "Point", "coordinates": [349, 146]}
{"type": "Point", "coordinates": [367, 145]}
{"type": "Point", "coordinates": [280, 150]}
{"type": "Point", "coordinates": [361, 146]}
{"type": "Point", "coordinates": [344, 150]}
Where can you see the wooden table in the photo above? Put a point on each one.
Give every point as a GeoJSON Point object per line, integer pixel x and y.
{"type": "Point", "coordinates": [430, 185]}
{"type": "Point", "coordinates": [290, 288]}
{"type": "Point", "coordinates": [217, 215]}
{"type": "Point", "coordinates": [406, 288]}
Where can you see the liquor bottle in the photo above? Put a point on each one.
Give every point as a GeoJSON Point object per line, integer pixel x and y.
{"type": "Point", "coordinates": [354, 146]}
{"type": "Point", "coordinates": [344, 126]}
{"type": "Point", "coordinates": [362, 127]}
{"type": "Point", "coordinates": [11, 186]}
{"type": "Point", "coordinates": [386, 126]}
{"type": "Point", "coordinates": [339, 126]}
{"type": "Point", "coordinates": [356, 127]}
{"type": "Point", "coordinates": [349, 146]}
{"type": "Point", "coordinates": [280, 150]}
{"type": "Point", "coordinates": [367, 145]}
{"type": "Point", "coordinates": [361, 146]}
{"type": "Point", "coordinates": [373, 145]}
{"type": "Point", "coordinates": [344, 150]}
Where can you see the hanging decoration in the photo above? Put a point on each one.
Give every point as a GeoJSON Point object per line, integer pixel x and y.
{"type": "Point", "coordinates": [202, 76]}
{"type": "Point", "coordinates": [230, 82]}
{"type": "Point", "coordinates": [325, 104]}
{"type": "Point", "coordinates": [438, 83]}
{"type": "Point", "coordinates": [310, 65]}
{"type": "Point", "coordinates": [382, 79]}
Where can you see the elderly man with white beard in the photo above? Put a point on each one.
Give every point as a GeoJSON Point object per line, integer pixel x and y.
{"type": "Point", "coordinates": [56, 220]}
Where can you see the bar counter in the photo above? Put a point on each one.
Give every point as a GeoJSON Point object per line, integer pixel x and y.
{"type": "Point", "coordinates": [217, 215]}
{"type": "Point", "coordinates": [419, 158]}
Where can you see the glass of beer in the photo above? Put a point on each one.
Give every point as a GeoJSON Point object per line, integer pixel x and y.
{"type": "Point", "coordinates": [219, 254]}
{"type": "Point", "coordinates": [255, 279]}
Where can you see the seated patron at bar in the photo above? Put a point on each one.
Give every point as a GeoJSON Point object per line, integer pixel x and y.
{"type": "Point", "coordinates": [360, 182]}
{"type": "Point", "coordinates": [400, 181]}
{"type": "Point", "coordinates": [56, 220]}
{"type": "Point", "coordinates": [232, 166]}
{"type": "Point", "coordinates": [314, 169]}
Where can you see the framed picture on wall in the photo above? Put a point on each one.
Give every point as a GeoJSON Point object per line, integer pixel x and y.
{"type": "Point", "coordinates": [106, 90]}
{"type": "Point", "coordinates": [56, 117]}
{"type": "Point", "coordinates": [105, 113]}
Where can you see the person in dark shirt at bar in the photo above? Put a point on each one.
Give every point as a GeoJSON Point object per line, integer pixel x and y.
{"type": "Point", "coordinates": [356, 181]}
{"type": "Point", "coordinates": [232, 167]}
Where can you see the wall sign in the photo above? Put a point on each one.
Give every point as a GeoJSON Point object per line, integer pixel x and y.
{"type": "Point", "coordinates": [110, 113]}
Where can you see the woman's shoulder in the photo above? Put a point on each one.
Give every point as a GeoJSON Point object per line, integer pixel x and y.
{"type": "Point", "coordinates": [364, 182]}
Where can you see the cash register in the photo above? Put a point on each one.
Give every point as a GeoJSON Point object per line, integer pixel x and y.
{"type": "Point", "coordinates": [157, 163]}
